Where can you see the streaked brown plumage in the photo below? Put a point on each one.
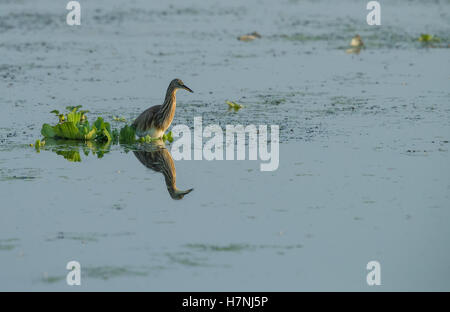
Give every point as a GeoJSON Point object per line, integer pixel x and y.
{"type": "Point", "coordinates": [155, 120]}
{"type": "Point", "coordinates": [156, 157]}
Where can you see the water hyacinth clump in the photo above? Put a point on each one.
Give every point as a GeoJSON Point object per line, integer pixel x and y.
{"type": "Point", "coordinates": [233, 106]}
{"type": "Point", "coordinates": [427, 38]}
{"type": "Point", "coordinates": [75, 126]}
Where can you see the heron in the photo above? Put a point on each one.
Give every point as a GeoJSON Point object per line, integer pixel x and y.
{"type": "Point", "coordinates": [155, 156]}
{"type": "Point", "coordinates": [155, 120]}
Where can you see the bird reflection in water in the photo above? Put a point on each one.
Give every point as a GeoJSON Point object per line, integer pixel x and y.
{"type": "Point", "coordinates": [156, 157]}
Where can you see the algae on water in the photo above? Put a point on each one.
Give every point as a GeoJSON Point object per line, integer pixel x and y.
{"type": "Point", "coordinates": [233, 106]}
{"type": "Point", "coordinates": [427, 38]}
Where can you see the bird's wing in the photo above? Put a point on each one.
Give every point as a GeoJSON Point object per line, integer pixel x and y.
{"type": "Point", "coordinates": [145, 119]}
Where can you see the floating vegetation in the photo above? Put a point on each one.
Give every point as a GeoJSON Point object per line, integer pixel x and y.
{"type": "Point", "coordinates": [127, 135]}
{"type": "Point", "coordinates": [238, 247]}
{"type": "Point", "coordinates": [107, 272]}
{"type": "Point", "coordinates": [431, 41]}
{"type": "Point", "coordinates": [218, 248]}
{"type": "Point", "coordinates": [304, 37]}
{"type": "Point", "coordinates": [427, 38]}
{"type": "Point", "coordinates": [233, 106]}
{"type": "Point", "coordinates": [38, 144]}
{"type": "Point", "coordinates": [59, 115]}
{"type": "Point", "coordinates": [168, 137]}
{"type": "Point", "coordinates": [81, 237]}
{"type": "Point", "coordinates": [249, 37]}
{"type": "Point", "coordinates": [51, 279]}
{"type": "Point", "coordinates": [187, 259]}
{"type": "Point", "coordinates": [345, 104]}
{"type": "Point", "coordinates": [270, 99]}
{"type": "Point", "coordinates": [119, 119]}
{"type": "Point", "coordinates": [75, 126]}
{"type": "Point", "coordinates": [8, 244]}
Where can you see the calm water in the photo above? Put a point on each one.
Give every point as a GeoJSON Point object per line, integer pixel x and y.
{"type": "Point", "coordinates": [364, 162]}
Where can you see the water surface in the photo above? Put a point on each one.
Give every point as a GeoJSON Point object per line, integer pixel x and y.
{"type": "Point", "coordinates": [364, 162]}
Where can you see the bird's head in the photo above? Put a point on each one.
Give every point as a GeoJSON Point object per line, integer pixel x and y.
{"type": "Point", "coordinates": [178, 84]}
{"type": "Point", "coordinates": [178, 194]}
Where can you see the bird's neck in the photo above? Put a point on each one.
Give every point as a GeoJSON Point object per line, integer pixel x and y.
{"type": "Point", "coordinates": [170, 101]}
{"type": "Point", "coordinates": [167, 110]}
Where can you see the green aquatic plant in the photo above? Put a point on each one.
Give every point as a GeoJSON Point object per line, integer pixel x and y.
{"type": "Point", "coordinates": [75, 126]}
{"type": "Point", "coordinates": [146, 139]}
{"type": "Point", "coordinates": [304, 37]}
{"type": "Point", "coordinates": [119, 119]}
{"type": "Point", "coordinates": [103, 130]}
{"type": "Point", "coordinates": [115, 136]}
{"type": "Point", "coordinates": [168, 137]}
{"type": "Point", "coordinates": [427, 38]}
{"type": "Point", "coordinates": [127, 135]}
{"type": "Point", "coordinates": [60, 116]}
{"type": "Point", "coordinates": [233, 106]}
{"type": "Point", "coordinates": [38, 144]}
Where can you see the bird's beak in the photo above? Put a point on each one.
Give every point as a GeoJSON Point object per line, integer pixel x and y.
{"type": "Point", "coordinates": [187, 88]}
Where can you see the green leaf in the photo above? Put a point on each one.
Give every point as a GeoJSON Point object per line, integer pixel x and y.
{"type": "Point", "coordinates": [99, 123]}
{"type": "Point", "coordinates": [115, 136]}
{"type": "Point", "coordinates": [73, 108]}
{"type": "Point", "coordinates": [107, 127]}
{"type": "Point", "coordinates": [106, 135]}
{"type": "Point", "coordinates": [103, 130]}
{"type": "Point", "coordinates": [427, 38]}
{"type": "Point", "coordinates": [68, 130]}
{"type": "Point", "coordinates": [91, 134]}
{"type": "Point", "coordinates": [74, 117]}
{"type": "Point", "coordinates": [233, 105]}
{"type": "Point", "coordinates": [47, 131]}
{"type": "Point", "coordinates": [37, 145]}
{"type": "Point", "coordinates": [127, 135]}
{"type": "Point", "coordinates": [77, 127]}
{"type": "Point", "coordinates": [168, 137]}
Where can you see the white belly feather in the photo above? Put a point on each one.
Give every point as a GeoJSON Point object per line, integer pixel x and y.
{"type": "Point", "coordinates": [152, 132]}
